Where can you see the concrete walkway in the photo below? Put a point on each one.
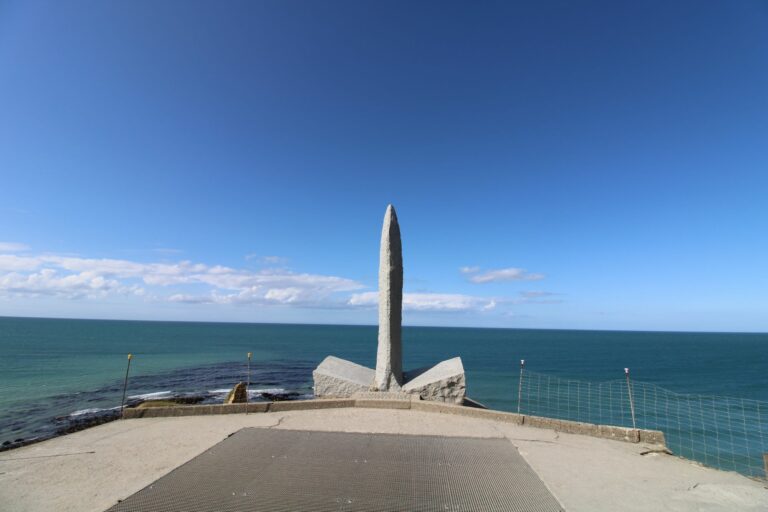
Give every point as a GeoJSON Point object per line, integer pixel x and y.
{"type": "Point", "coordinates": [91, 470]}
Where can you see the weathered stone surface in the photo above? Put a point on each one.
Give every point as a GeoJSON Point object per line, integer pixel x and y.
{"type": "Point", "coordinates": [443, 382]}
{"type": "Point", "coordinates": [305, 405]}
{"type": "Point", "coordinates": [389, 357]}
{"type": "Point", "coordinates": [381, 395]}
{"type": "Point", "coordinates": [238, 394]}
{"type": "Point", "coordinates": [336, 377]}
{"type": "Point", "coordinates": [383, 404]}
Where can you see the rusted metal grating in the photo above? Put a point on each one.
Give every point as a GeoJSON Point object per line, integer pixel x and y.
{"type": "Point", "coordinates": [287, 470]}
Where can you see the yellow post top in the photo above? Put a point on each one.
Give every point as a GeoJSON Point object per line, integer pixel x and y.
{"type": "Point", "coordinates": [249, 355]}
{"type": "Point", "coordinates": [130, 356]}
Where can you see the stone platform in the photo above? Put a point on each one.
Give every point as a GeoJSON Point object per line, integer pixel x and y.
{"type": "Point", "coordinates": [89, 471]}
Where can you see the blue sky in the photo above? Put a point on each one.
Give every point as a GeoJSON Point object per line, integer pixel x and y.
{"type": "Point", "coordinates": [556, 164]}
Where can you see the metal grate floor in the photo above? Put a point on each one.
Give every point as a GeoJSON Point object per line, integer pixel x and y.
{"type": "Point", "coordinates": [288, 470]}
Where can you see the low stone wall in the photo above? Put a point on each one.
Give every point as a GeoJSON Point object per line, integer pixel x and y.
{"type": "Point", "coordinates": [368, 400]}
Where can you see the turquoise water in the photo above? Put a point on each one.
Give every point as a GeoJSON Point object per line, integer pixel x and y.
{"type": "Point", "coordinates": [51, 368]}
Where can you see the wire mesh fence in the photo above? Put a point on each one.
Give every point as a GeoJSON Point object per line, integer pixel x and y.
{"type": "Point", "coordinates": [721, 432]}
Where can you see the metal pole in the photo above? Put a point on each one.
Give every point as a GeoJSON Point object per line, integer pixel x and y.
{"type": "Point", "coordinates": [248, 381]}
{"type": "Point", "coordinates": [520, 385]}
{"type": "Point", "coordinates": [125, 386]}
{"type": "Point", "coordinates": [631, 401]}
{"type": "Point", "coordinates": [765, 463]}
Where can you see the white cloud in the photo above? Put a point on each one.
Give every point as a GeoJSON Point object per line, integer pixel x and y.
{"type": "Point", "coordinates": [429, 301]}
{"type": "Point", "coordinates": [267, 260]}
{"type": "Point", "coordinates": [538, 297]}
{"type": "Point", "coordinates": [364, 299]}
{"type": "Point", "coordinates": [502, 274]}
{"type": "Point", "coordinates": [13, 247]}
{"type": "Point", "coordinates": [11, 262]}
{"type": "Point", "coordinates": [188, 282]}
{"type": "Point", "coordinates": [167, 250]}
{"type": "Point", "coordinates": [51, 282]}
{"type": "Point", "coordinates": [274, 260]}
{"type": "Point", "coordinates": [189, 299]}
{"type": "Point", "coordinates": [534, 294]}
{"type": "Point", "coordinates": [77, 277]}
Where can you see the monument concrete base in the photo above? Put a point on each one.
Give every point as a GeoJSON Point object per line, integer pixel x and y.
{"type": "Point", "coordinates": [336, 377]}
{"type": "Point", "coordinates": [444, 382]}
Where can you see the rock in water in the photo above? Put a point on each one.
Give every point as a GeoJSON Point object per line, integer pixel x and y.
{"type": "Point", "coordinates": [238, 395]}
{"type": "Point", "coordinates": [389, 357]}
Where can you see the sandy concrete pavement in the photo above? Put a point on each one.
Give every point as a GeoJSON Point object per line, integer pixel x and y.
{"type": "Point", "coordinates": [92, 469]}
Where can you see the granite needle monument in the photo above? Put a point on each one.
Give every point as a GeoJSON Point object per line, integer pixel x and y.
{"type": "Point", "coordinates": [389, 364]}
{"type": "Point", "coordinates": [336, 377]}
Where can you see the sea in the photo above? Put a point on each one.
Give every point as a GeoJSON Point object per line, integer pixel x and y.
{"type": "Point", "coordinates": [57, 375]}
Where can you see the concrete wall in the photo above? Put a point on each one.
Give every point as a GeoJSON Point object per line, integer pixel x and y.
{"type": "Point", "coordinates": [571, 427]}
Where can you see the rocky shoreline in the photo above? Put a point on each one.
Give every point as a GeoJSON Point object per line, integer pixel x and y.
{"type": "Point", "coordinates": [31, 421]}
{"type": "Point", "coordinates": [81, 420]}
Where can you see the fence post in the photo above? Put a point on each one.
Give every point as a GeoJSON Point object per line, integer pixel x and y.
{"type": "Point", "coordinates": [248, 382]}
{"type": "Point", "coordinates": [631, 400]}
{"type": "Point", "coordinates": [125, 387]}
{"type": "Point", "coordinates": [520, 385]}
{"type": "Point", "coordinates": [765, 463]}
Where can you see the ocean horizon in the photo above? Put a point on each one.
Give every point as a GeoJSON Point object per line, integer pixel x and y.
{"type": "Point", "coordinates": [60, 375]}
{"type": "Point", "coordinates": [405, 324]}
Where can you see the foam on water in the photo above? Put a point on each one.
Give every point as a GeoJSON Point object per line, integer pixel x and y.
{"type": "Point", "coordinates": [273, 391]}
{"type": "Point", "coordinates": [87, 412]}
{"type": "Point", "coordinates": [152, 396]}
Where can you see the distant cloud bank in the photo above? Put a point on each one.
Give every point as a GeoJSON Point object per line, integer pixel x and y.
{"type": "Point", "coordinates": [502, 274]}
{"type": "Point", "coordinates": [77, 277]}
{"type": "Point", "coordinates": [13, 247]}
{"type": "Point", "coordinates": [429, 301]}
{"type": "Point", "coordinates": [25, 274]}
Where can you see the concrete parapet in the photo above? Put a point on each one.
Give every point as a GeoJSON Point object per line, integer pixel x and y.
{"type": "Point", "coordinates": [383, 404]}
{"type": "Point", "coordinates": [383, 395]}
{"type": "Point", "coordinates": [258, 407]}
{"type": "Point", "coordinates": [472, 412]}
{"type": "Point", "coordinates": [654, 437]}
{"type": "Point", "coordinates": [626, 434]}
{"type": "Point", "coordinates": [196, 410]}
{"type": "Point", "coordinates": [394, 401]}
{"type": "Point", "coordinates": [307, 405]}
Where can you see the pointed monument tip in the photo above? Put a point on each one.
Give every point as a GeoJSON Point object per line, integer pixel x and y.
{"type": "Point", "coordinates": [390, 211]}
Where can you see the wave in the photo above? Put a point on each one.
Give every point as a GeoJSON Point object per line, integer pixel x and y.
{"type": "Point", "coordinates": [92, 411]}
{"type": "Point", "coordinates": [252, 392]}
{"type": "Point", "coordinates": [152, 396]}
{"type": "Point", "coordinates": [273, 391]}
